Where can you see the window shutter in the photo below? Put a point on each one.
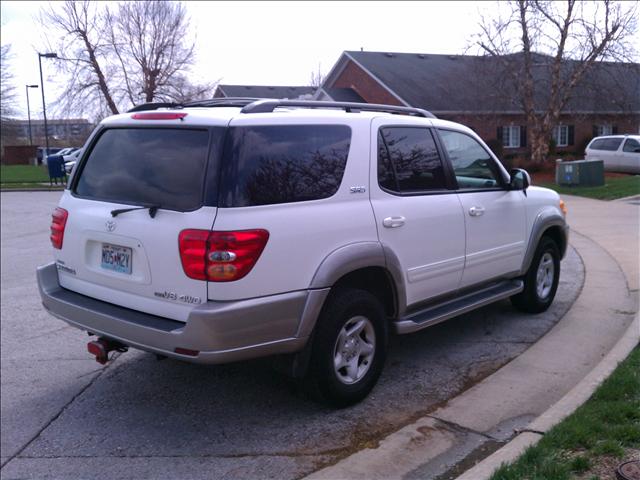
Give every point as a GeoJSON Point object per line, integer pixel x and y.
{"type": "Point", "coordinates": [499, 135]}
{"type": "Point", "coordinates": [570, 134]}
{"type": "Point", "coordinates": [595, 130]}
{"type": "Point", "coordinates": [614, 129]}
{"type": "Point", "coordinates": [523, 136]}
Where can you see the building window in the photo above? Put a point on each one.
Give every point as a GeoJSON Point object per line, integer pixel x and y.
{"type": "Point", "coordinates": [561, 135]}
{"type": "Point", "coordinates": [604, 130]}
{"type": "Point", "coordinates": [511, 136]}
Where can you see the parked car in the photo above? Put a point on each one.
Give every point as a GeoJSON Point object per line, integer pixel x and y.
{"type": "Point", "coordinates": [232, 229]}
{"type": "Point", "coordinates": [619, 153]}
{"type": "Point", "coordinates": [71, 159]}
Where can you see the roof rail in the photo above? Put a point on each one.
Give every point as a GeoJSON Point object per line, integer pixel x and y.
{"type": "Point", "coordinates": [213, 102]}
{"type": "Point", "coordinates": [222, 102]}
{"type": "Point", "coordinates": [153, 106]}
{"type": "Point", "coordinates": [269, 105]}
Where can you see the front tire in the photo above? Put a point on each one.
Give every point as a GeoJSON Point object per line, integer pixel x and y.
{"type": "Point", "coordinates": [349, 348]}
{"type": "Point", "coordinates": [541, 280]}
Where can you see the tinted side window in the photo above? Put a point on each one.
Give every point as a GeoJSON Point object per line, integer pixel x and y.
{"type": "Point", "coordinates": [597, 144]}
{"type": "Point", "coordinates": [631, 145]}
{"type": "Point", "coordinates": [282, 163]}
{"type": "Point", "coordinates": [408, 160]}
{"type": "Point", "coordinates": [612, 144]}
{"type": "Point", "coordinates": [147, 166]}
{"type": "Point", "coordinates": [472, 165]}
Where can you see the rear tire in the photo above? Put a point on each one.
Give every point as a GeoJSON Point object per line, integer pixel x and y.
{"type": "Point", "coordinates": [349, 347]}
{"type": "Point", "coordinates": [541, 280]}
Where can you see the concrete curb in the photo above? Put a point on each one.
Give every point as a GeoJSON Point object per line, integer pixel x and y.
{"type": "Point", "coordinates": [560, 410]}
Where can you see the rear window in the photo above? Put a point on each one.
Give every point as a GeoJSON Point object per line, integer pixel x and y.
{"type": "Point", "coordinates": [282, 163]}
{"type": "Point", "coordinates": [147, 166]}
{"type": "Point", "coordinates": [610, 144]}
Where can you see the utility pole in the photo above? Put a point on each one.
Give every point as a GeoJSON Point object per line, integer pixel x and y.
{"type": "Point", "coordinates": [27, 87]}
{"type": "Point", "coordinates": [44, 107]}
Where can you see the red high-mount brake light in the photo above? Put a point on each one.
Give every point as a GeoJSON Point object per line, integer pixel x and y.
{"type": "Point", "coordinates": [220, 256]}
{"type": "Point", "coordinates": [158, 116]}
{"type": "Point", "coordinates": [58, 222]}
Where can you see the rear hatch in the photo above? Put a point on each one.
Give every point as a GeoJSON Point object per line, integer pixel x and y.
{"type": "Point", "coordinates": [134, 192]}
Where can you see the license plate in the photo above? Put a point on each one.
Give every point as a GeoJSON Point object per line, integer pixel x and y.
{"type": "Point", "coordinates": [116, 258]}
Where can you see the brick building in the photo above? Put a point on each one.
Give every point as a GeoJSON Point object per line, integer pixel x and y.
{"type": "Point", "coordinates": [476, 91]}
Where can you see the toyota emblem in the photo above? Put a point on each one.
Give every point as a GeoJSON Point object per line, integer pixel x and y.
{"type": "Point", "coordinates": [111, 225]}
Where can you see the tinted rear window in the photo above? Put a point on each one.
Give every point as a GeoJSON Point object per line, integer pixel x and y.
{"type": "Point", "coordinates": [148, 166]}
{"type": "Point", "coordinates": [408, 160]}
{"type": "Point", "coordinates": [610, 144]}
{"type": "Point", "coordinates": [282, 163]}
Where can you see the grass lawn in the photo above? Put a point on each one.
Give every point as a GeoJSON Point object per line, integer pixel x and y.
{"type": "Point", "coordinates": [590, 443]}
{"type": "Point", "coordinates": [23, 174]}
{"type": "Point", "coordinates": [614, 187]}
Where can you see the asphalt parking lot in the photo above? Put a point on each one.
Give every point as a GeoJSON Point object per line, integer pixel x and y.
{"type": "Point", "coordinates": [65, 416]}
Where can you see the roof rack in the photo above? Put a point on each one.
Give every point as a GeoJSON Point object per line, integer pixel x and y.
{"type": "Point", "coordinates": [269, 105]}
{"type": "Point", "coordinates": [153, 106]}
{"type": "Point", "coordinates": [214, 102]}
{"type": "Point", "coordinates": [262, 105]}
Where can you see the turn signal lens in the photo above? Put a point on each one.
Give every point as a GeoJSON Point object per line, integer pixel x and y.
{"type": "Point", "coordinates": [220, 256]}
{"type": "Point", "coordinates": [563, 207]}
{"type": "Point", "coordinates": [58, 222]}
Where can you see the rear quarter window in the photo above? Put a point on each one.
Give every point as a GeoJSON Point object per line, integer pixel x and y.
{"type": "Point", "coordinates": [264, 165]}
{"type": "Point", "coordinates": [146, 166]}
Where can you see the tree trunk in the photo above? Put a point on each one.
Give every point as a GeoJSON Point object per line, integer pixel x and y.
{"type": "Point", "coordinates": [539, 148]}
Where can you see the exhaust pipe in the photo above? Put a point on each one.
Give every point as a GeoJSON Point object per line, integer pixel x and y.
{"type": "Point", "coordinates": [101, 348]}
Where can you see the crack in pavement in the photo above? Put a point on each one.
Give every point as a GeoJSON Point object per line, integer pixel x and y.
{"type": "Point", "coordinates": [460, 429]}
{"type": "Point", "coordinates": [57, 415]}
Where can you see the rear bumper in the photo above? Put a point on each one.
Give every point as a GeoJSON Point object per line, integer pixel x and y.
{"type": "Point", "coordinates": [221, 332]}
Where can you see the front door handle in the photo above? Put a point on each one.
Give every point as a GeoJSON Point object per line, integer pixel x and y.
{"type": "Point", "coordinates": [393, 222]}
{"type": "Point", "coordinates": [476, 211]}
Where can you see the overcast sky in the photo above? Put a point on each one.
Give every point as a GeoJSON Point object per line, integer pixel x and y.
{"type": "Point", "coordinates": [271, 43]}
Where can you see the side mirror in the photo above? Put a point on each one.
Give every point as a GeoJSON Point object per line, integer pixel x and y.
{"type": "Point", "coordinates": [520, 179]}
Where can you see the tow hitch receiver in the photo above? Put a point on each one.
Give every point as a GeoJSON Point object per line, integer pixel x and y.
{"type": "Point", "coordinates": [101, 348]}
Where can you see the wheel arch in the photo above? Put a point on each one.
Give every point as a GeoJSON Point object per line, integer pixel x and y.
{"type": "Point", "coordinates": [365, 265]}
{"type": "Point", "coordinates": [551, 223]}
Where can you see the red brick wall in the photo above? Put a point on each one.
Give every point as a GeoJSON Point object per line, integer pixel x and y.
{"type": "Point", "coordinates": [370, 90]}
{"type": "Point", "coordinates": [487, 127]}
{"type": "Point", "coordinates": [18, 154]}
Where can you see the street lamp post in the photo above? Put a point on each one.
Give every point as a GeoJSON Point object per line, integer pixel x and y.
{"type": "Point", "coordinates": [44, 107]}
{"type": "Point", "coordinates": [27, 87]}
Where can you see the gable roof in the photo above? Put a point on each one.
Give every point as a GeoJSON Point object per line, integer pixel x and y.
{"type": "Point", "coordinates": [266, 91]}
{"type": "Point", "coordinates": [468, 83]}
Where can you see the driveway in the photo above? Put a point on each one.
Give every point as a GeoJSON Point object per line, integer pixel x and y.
{"type": "Point", "coordinates": [65, 416]}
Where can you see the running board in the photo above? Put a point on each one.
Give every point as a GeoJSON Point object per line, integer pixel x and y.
{"type": "Point", "coordinates": [452, 308]}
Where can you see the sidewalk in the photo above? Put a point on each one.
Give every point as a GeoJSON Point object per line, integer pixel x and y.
{"type": "Point", "coordinates": [488, 415]}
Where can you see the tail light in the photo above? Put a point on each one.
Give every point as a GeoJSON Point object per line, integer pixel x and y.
{"type": "Point", "coordinates": [58, 222]}
{"type": "Point", "coordinates": [220, 256]}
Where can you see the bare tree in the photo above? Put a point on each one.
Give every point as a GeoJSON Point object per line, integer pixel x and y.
{"type": "Point", "coordinates": [7, 88]}
{"type": "Point", "coordinates": [122, 55]}
{"type": "Point", "coordinates": [546, 49]}
{"type": "Point", "coordinates": [84, 52]}
{"type": "Point", "coordinates": [317, 78]}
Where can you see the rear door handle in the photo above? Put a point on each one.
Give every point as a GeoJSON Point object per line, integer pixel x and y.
{"type": "Point", "coordinates": [393, 222]}
{"type": "Point", "coordinates": [476, 211]}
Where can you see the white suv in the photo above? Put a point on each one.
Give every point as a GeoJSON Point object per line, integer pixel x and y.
{"type": "Point", "coordinates": [619, 153]}
{"type": "Point", "coordinates": [231, 229]}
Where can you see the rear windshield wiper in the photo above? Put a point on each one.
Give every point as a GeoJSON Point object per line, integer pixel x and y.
{"type": "Point", "coordinates": [153, 209]}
